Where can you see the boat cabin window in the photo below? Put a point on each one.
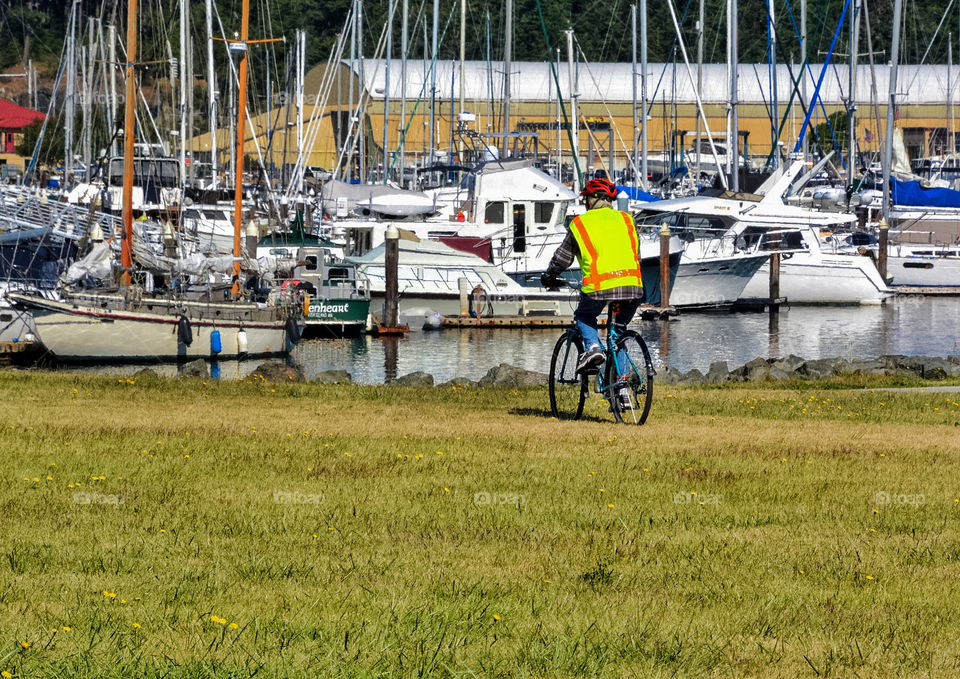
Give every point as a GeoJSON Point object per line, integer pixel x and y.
{"type": "Point", "coordinates": [312, 263]}
{"type": "Point", "coordinates": [519, 227]}
{"type": "Point", "coordinates": [216, 214]}
{"type": "Point", "coordinates": [279, 252]}
{"type": "Point", "coordinates": [165, 173]}
{"type": "Point", "coordinates": [791, 240]}
{"type": "Point", "coordinates": [494, 213]}
{"type": "Point", "coordinates": [543, 213]}
{"type": "Point", "coordinates": [191, 214]}
{"type": "Point", "coordinates": [701, 227]}
{"type": "Point", "coordinates": [338, 272]}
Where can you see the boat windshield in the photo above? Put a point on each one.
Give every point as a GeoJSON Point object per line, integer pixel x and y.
{"type": "Point", "coordinates": [156, 171]}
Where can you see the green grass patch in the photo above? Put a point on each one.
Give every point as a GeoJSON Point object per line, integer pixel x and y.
{"type": "Point", "coordinates": [187, 528]}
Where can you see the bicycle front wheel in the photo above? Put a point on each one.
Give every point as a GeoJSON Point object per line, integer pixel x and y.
{"type": "Point", "coordinates": [568, 390]}
{"type": "Point", "coordinates": [631, 391]}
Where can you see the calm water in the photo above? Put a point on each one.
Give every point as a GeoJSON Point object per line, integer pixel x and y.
{"type": "Point", "coordinates": [910, 325]}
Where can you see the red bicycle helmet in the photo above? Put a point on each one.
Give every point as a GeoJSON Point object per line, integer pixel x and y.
{"type": "Point", "coordinates": [600, 187]}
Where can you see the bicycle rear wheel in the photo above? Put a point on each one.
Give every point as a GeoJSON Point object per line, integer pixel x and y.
{"type": "Point", "coordinates": [568, 390]}
{"type": "Point", "coordinates": [631, 393]}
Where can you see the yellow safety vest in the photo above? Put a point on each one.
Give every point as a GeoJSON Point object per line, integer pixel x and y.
{"type": "Point", "coordinates": [608, 249]}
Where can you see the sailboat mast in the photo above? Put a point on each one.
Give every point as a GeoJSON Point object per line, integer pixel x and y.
{"type": "Point", "coordinates": [241, 126]}
{"type": "Point", "coordinates": [507, 66]}
{"type": "Point", "coordinates": [852, 104]}
{"type": "Point", "coordinates": [126, 258]}
{"type": "Point", "coordinates": [643, 94]}
{"type": "Point", "coordinates": [211, 95]}
{"type": "Point", "coordinates": [891, 107]}
{"type": "Point", "coordinates": [184, 82]}
{"type": "Point", "coordinates": [734, 149]}
{"type": "Point", "coordinates": [633, 89]}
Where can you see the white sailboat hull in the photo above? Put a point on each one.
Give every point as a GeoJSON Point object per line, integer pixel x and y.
{"type": "Point", "coordinates": [87, 333]}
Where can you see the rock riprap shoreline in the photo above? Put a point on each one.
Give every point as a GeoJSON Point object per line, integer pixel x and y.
{"type": "Point", "coordinates": [757, 370]}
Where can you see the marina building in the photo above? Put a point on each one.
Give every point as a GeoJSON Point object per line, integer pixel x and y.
{"type": "Point", "coordinates": [343, 113]}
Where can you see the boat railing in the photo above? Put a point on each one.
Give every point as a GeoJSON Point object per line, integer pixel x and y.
{"type": "Point", "coordinates": [21, 210]}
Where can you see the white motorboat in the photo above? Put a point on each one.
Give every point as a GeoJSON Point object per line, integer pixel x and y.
{"type": "Point", "coordinates": [924, 266]}
{"type": "Point", "coordinates": [436, 276]}
{"type": "Point", "coordinates": [808, 274]}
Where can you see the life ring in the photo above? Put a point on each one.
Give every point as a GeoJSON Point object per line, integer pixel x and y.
{"type": "Point", "coordinates": [478, 301]}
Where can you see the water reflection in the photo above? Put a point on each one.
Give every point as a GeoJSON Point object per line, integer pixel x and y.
{"type": "Point", "coordinates": [909, 325]}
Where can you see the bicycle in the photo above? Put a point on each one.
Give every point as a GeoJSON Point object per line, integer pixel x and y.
{"type": "Point", "coordinates": [624, 379]}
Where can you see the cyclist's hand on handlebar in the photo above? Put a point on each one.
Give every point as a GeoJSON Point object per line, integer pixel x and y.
{"type": "Point", "coordinates": [550, 282]}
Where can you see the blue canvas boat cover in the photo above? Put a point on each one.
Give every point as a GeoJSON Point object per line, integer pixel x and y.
{"type": "Point", "coordinates": [913, 194]}
{"type": "Point", "coordinates": [637, 194]}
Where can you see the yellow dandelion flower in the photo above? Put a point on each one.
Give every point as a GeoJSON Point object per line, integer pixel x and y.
{"type": "Point", "coordinates": [869, 577]}
{"type": "Point", "coordinates": [446, 490]}
{"type": "Point", "coordinates": [54, 630]}
{"type": "Point", "coordinates": [546, 582]}
{"type": "Point", "coordinates": [24, 645]}
{"type": "Point", "coordinates": [67, 629]}
{"type": "Point", "coordinates": [5, 674]}
{"type": "Point", "coordinates": [602, 490]}
{"type": "Point", "coordinates": [233, 625]}
{"type": "Point", "coordinates": [610, 506]}
{"type": "Point", "coordinates": [496, 618]}
{"type": "Point", "coordinates": [136, 625]}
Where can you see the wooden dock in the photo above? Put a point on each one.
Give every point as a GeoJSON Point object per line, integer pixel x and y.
{"type": "Point", "coordinates": [650, 312]}
{"type": "Point", "coordinates": [920, 290]}
{"type": "Point", "coordinates": [16, 352]}
{"type": "Point", "coordinates": [758, 304]}
{"type": "Point", "coordinates": [508, 322]}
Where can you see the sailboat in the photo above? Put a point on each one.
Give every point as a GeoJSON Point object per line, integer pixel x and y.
{"type": "Point", "coordinates": [129, 322]}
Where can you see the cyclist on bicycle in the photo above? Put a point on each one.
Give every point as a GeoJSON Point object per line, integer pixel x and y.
{"type": "Point", "coordinates": [605, 243]}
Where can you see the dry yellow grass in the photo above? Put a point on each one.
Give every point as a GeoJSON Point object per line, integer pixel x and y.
{"type": "Point", "coordinates": [204, 529]}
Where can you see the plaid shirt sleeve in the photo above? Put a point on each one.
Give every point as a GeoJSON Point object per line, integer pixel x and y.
{"type": "Point", "coordinates": [563, 257]}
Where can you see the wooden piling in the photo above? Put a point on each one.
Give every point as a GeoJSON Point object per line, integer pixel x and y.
{"type": "Point", "coordinates": [883, 237]}
{"type": "Point", "coordinates": [664, 266]}
{"type": "Point", "coordinates": [391, 292]}
{"type": "Point", "coordinates": [774, 271]}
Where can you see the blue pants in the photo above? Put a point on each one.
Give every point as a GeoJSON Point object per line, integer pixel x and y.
{"type": "Point", "coordinates": [586, 317]}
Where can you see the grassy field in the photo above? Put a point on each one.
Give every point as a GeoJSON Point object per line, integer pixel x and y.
{"type": "Point", "coordinates": [155, 527]}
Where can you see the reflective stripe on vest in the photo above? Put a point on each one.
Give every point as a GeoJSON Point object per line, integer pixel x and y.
{"type": "Point", "coordinates": [598, 273]}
